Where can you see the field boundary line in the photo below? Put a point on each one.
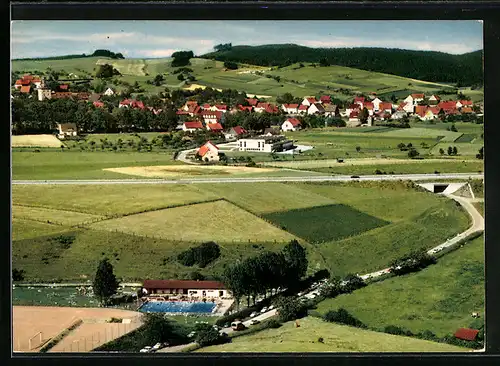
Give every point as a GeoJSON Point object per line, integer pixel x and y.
{"type": "Point", "coordinates": [55, 209]}
{"type": "Point", "coordinates": [59, 337]}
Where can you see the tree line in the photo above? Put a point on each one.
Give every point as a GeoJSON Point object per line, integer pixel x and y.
{"type": "Point", "coordinates": [266, 272]}
{"type": "Point", "coordinates": [96, 53]}
{"type": "Point", "coordinates": [463, 69]}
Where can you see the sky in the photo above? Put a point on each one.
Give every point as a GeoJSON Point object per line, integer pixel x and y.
{"type": "Point", "coordinates": [152, 39]}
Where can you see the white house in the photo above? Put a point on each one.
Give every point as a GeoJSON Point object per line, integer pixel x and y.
{"type": "Point", "coordinates": [192, 126]}
{"type": "Point", "coordinates": [66, 129]}
{"type": "Point", "coordinates": [315, 108]}
{"type": "Point", "coordinates": [200, 289]}
{"type": "Point", "coordinates": [265, 144]}
{"type": "Point", "coordinates": [44, 93]}
{"type": "Point", "coordinates": [235, 132]}
{"type": "Point", "coordinates": [291, 124]}
{"type": "Point", "coordinates": [212, 117]}
{"type": "Point", "coordinates": [434, 99]}
{"type": "Point", "coordinates": [409, 107]}
{"type": "Point", "coordinates": [308, 101]}
{"type": "Point", "coordinates": [290, 108]}
{"type": "Point", "coordinates": [209, 152]}
{"type": "Point", "coordinates": [302, 109]}
{"type": "Point", "coordinates": [414, 98]}
{"type": "Point", "coordinates": [109, 92]}
{"type": "Point", "coordinates": [398, 114]}
{"type": "Point", "coordinates": [376, 102]}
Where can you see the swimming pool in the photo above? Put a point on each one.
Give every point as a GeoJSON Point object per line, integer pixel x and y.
{"type": "Point", "coordinates": [177, 307]}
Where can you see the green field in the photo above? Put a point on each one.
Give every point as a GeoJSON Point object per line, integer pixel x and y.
{"type": "Point", "coordinates": [336, 338]}
{"type": "Point", "coordinates": [57, 164]}
{"type": "Point", "coordinates": [24, 229]}
{"type": "Point", "coordinates": [480, 207]}
{"type": "Point", "coordinates": [220, 221]}
{"type": "Point", "coordinates": [325, 223]}
{"type": "Point", "coordinates": [61, 217]}
{"type": "Point", "coordinates": [439, 298]}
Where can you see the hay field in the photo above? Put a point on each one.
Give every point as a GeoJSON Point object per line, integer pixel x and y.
{"type": "Point", "coordinates": [29, 320]}
{"type": "Point", "coordinates": [55, 216]}
{"type": "Point", "coordinates": [35, 141]}
{"type": "Point", "coordinates": [336, 338]}
{"type": "Point", "coordinates": [171, 171]}
{"type": "Point", "coordinates": [25, 229]}
{"type": "Point", "coordinates": [219, 221]}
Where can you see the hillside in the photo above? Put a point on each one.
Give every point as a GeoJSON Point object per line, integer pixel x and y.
{"type": "Point", "coordinates": [336, 338]}
{"type": "Point", "coordinates": [424, 65]}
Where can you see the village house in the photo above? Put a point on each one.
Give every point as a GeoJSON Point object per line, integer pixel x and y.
{"type": "Point", "coordinates": [376, 104]}
{"type": "Point", "coordinates": [200, 289]}
{"type": "Point", "coordinates": [265, 144]}
{"type": "Point", "coordinates": [325, 99]}
{"type": "Point", "coordinates": [308, 101]}
{"type": "Point", "coordinates": [192, 126]}
{"type": "Point", "coordinates": [221, 108]}
{"type": "Point", "coordinates": [109, 92]}
{"type": "Point", "coordinates": [235, 132]}
{"type": "Point", "coordinates": [61, 95]}
{"type": "Point", "coordinates": [290, 108]}
{"type": "Point", "coordinates": [331, 110]}
{"type": "Point", "coordinates": [350, 109]}
{"type": "Point", "coordinates": [426, 113]}
{"type": "Point", "coordinates": [98, 104]}
{"type": "Point", "coordinates": [385, 107]}
{"type": "Point", "coordinates": [190, 104]}
{"type": "Point", "coordinates": [354, 119]}
{"type": "Point", "coordinates": [316, 108]}
{"type": "Point", "coordinates": [214, 127]}
{"type": "Point", "coordinates": [271, 131]}
{"type": "Point", "coordinates": [464, 103]}
{"type": "Point", "coordinates": [369, 107]}
{"type": "Point", "coordinates": [302, 109]}
{"type": "Point", "coordinates": [398, 114]}
{"type": "Point", "coordinates": [129, 103]}
{"type": "Point", "coordinates": [448, 107]}
{"type": "Point", "coordinates": [242, 108]}
{"type": "Point", "coordinates": [359, 101]}
{"type": "Point", "coordinates": [252, 101]}
{"type": "Point", "coordinates": [266, 107]}
{"type": "Point", "coordinates": [434, 99]}
{"type": "Point", "coordinates": [25, 89]}
{"type": "Point", "coordinates": [291, 124]}
{"type": "Point", "coordinates": [44, 93]}
{"type": "Point", "coordinates": [66, 129]}
{"type": "Point", "coordinates": [414, 98]}
{"type": "Point", "coordinates": [209, 152]}
{"type": "Point", "coordinates": [212, 117]}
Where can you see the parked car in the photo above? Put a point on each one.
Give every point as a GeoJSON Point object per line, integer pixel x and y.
{"type": "Point", "coordinates": [355, 176]}
{"type": "Point", "coordinates": [192, 334]}
{"type": "Point", "coordinates": [146, 349]}
{"type": "Point", "coordinates": [271, 307]}
{"type": "Point", "coordinates": [160, 345]}
{"type": "Point", "coordinates": [237, 325]}
{"type": "Point", "coordinates": [253, 314]}
{"type": "Point", "coordinates": [254, 321]}
{"type": "Point", "coordinates": [264, 309]}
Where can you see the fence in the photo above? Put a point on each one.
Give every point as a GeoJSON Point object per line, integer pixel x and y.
{"type": "Point", "coordinates": [87, 343]}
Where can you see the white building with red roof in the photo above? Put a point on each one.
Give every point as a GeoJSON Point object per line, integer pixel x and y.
{"type": "Point", "coordinates": [199, 289]}
{"type": "Point", "coordinates": [325, 99]}
{"type": "Point", "coordinates": [235, 132]}
{"type": "Point", "coordinates": [302, 109]}
{"type": "Point", "coordinates": [208, 152]}
{"type": "Point", "coordinates": [291, 124]}
{"type": "Point", "coordinates": [376, 103]}
{"type": "Point", "coordinates": [212, 117]}
{"type": "Point", "coordinates": [308, 101]}
{"type": "Point", "coordinates": [192, 126]}
{"type": "Point", "coordinates": [414, 98]}
{"type": "Point", "coordinates": [290, 108]}
{"type": "Point", "coordinates": [214, 127]}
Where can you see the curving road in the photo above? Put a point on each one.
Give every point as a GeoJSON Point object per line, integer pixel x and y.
{"type": "Point", "coordinates": [325, 178]}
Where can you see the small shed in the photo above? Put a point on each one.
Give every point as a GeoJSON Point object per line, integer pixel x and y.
{"type": "Point", "coordinates": [66, 129]}
{"type": "Point", "coordinates": [467, 334]}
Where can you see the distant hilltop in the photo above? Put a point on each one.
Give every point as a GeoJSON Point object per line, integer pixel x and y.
{"type": "Point", "coordinates": [97, 53]}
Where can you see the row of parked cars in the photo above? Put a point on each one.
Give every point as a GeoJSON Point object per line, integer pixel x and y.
{"type": "Point", "coordinates": [156, 347]}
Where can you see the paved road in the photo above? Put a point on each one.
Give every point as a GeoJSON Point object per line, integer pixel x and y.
{"type": "Point", "coordinates": [327, 178]}
{"type": "Point", "coordinates": [182, 156]}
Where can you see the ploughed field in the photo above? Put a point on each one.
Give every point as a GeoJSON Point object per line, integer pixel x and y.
{"type": "Point", "coordinates": [61, 233]}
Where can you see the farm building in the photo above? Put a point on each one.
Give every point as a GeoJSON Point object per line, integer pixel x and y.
{"type": "Point", "coordinates": [316, 108]}
{"type": "Point", "coordinates": [209, 152]}
{"type": "Point", "coordinates": [66, 129]}
{"type": "Point", "coordinates": [291, 124]}
{"type": "Point", "coordinates": [192, 126]}
{"type": "Point", "coordinates": [235, 132]}
{"type": "Point", "coordinates": [265, 144]}
{"type": "Point", "coordinates": [204, 289]}
{"type": "Point", "coordinates": [467, 334]}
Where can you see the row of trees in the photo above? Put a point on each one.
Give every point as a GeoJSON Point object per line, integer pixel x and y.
{"type": "Point", "coordinates": [261, 274]}
{"type": "Point", "coordinates": [201, 255]}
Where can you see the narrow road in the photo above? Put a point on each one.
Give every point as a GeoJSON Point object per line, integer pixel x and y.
{"type": "Point", "coordinates": [326, 178]}
{"type": "Point", "coordinates": [182, 156]}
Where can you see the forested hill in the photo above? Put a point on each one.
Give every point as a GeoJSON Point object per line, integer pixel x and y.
{"type": "Point", "coordinates": [465, 69]}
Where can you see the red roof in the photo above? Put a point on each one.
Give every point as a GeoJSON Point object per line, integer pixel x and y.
{"type": "Point", "coordinates": [354, 114]}
{"type": "Point", "coordinates": [252, 102]}
{"type": "Point", "coordinates": [418, 96]}
{"type": "Point", "coordinates": [294, 121]}
{"type": "Point", "coordinates": [98, 104]}
{"type": "Point", "coordinates": [193, 124]}
{"type": "Point", "coordinates": [25, 89]}
{"type": "Point", "coordinates": [239, 130]}
{"type": "Point", "coordinates": [385, 105]}
{"type": "Point", "coordinates": [447, 105]}
{"type": "Point", "coordinates": [191, 102]}
{"type": "Point", "coordinates": [27, 77]}
{"type": "Point", "coordinates": [179, 112]}
{"type": "Point", "coordinates": [291, 106]}
{"type": "Point", "coordinates": [302, 107]}
{"type": "Point", "coordinates": [421, 110]}
{"type": "Point", "coordinates": [466, 334]}
{"type": "Point", "coordinates": [435, 110]}
{"type": "Point", "coordinates": [359, 99]}
{"type": "Point", "coordinates": [466, 102]}
{"type": "Point", "coordinates": [58, 95]}
{"type": "Point", "coordinates": [125, 102]}
{"type": "Point", "coordinates": [245, 108]}
{"type": "Point", "coordinates": [203, 150]}
{"type": "Point", "coordinates": [325, 98]}
{"type": "Point", "coordinates": [194, 109]}
{"type": "Point", "coordinates": [221, 107]}
{"type": "Point", "coordinates": [354, 106]}
{"type": "Point", "coordinates": [64, 86]}
{"type": "Point", "coordinates": [206, 106]}
{"type": "Point", "coordinates": [312, 100]}
{"type": "Point", "coordinates": [215, 127]}
{"type": "Point", "coordinates": [182, 284]}
{"type": "Point", "coordinates": [217, 114]}
{"type": "Point", "coordinates": [368, 105]}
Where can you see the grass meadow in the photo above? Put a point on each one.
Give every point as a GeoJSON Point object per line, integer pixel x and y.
{"type": "Point", "coordinates": [24, 229]}
{"type": "Point", "coordinates": [336, 338]}
{"type": "Point", "coordinates": [439, 298]}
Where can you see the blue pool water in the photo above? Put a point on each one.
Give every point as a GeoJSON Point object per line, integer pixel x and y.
{"type": "Point", "coordinates": [177, 307]}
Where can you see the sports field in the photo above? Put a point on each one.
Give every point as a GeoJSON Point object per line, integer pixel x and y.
{"type": "Point", "coordinates": [439, 298]}
{"type": "Point", "coordinates": [336, 338]}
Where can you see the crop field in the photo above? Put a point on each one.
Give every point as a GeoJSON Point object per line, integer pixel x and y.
{"type": "Point", "coordinates": [61, 217]}
{"type": "Point", "coordinates": [24, 229]}
{"type": "Point", "coordinates": [109, 200]}
{"type": "Point", "coordinates": [426, 300]}
{"type": "Point", "coordinates": [224, 223]}
{"type": "Point", "coordinates": [35, 141]}
{"type": "Point", "coordinates": [465, 149]}
{"type": "Point", "coordinates": [446, 136]}
{"type": "Point", "coordinates": [336, 338]}
{"type": "Point", "coordinates": [325, 223]}
{"type": "Point", "coordinates": [72, 164]}
{"type": "Point", "coordinates": [375, 249]}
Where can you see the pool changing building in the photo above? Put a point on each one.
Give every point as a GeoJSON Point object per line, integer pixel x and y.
{"type": "Point", "coordinates": [200, 289]}
{"type": "Point", "coordinates": [265, 144]}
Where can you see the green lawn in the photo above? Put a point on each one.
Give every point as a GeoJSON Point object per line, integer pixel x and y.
{"type": "Point", "coordinates": [325, 223]}
{"type": "Point", "coordinates": [57, 164]}
{"type": "Point", "coordinates": [336, 338]}
{"type": "Point", "coordinates": [439, 298]}
{"type": "Point", "coordinates": [24, 229]}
